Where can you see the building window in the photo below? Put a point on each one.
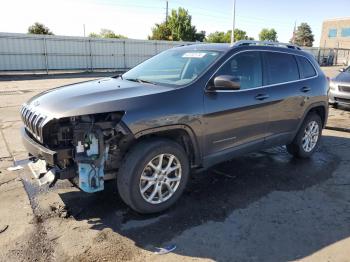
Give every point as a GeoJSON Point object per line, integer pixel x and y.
{"type": "Point", "coordinates": [345, 32]}
{"type": "Point", "coordinates": [332, 33]}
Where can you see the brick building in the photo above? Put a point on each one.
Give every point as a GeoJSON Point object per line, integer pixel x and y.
{"type": "Point", "coordinates": [336, 33]}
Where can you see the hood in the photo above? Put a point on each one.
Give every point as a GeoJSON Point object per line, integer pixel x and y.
{"type": "Point", "coordinates": [343, 77]}
{"type": "Point", "coordinates": [98, 96]}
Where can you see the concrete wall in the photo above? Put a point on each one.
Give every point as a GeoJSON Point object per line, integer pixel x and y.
{"type": "Point", "coordinates": [338, 41]}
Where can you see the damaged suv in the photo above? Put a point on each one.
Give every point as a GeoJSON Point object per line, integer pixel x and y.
{"type": "Point", "coordinates": [185, 109]}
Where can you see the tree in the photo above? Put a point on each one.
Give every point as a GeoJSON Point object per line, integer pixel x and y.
{"type": "Point", "coordinates": [303, 35]}
{"type": "Point", "coordinates": [219, 37]}
{"type": "Point", "coordinates": [161, 32]}
{"type": "Point", "coordinates": [39, 29]}
{"type": "Point", "coordinates": [222, 37]}
{"type": "Point", "coordinates": [268, 35]}
{"type": "Point", "coordinates": [107, 33]}
{"type": "Point", "coordinates": [178, 28]}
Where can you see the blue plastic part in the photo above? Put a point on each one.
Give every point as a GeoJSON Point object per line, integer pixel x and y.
{"type": "Point", "coordinates": [91, 178]}
{"type": "Point", "coordinates": [87, 175]}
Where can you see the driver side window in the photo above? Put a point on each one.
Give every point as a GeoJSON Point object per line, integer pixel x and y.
{"type": "Point", "coordinates": [246, 67]}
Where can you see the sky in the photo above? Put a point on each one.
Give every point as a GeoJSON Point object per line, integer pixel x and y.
{"type": "Point", "coordinates": [135, 18]}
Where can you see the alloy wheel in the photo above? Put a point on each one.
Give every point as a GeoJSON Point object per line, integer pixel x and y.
{"type": "Point", "coordinates": [160, 178]}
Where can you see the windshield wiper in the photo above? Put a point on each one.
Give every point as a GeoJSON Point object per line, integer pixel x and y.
{"type": "Point", "coordinates": [118, 76]}
{"type": "Point", "coordinates": [140, 81]}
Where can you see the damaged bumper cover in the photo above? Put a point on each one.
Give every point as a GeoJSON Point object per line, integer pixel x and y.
{"type": "Point", "coordinates": [38, 151]}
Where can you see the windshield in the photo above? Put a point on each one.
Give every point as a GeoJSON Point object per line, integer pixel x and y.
{"type": "Point", "coordinates": [173, 67]}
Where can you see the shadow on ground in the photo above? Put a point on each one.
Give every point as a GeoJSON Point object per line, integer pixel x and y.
{"type": "Point", "coordinates": [213, 196]}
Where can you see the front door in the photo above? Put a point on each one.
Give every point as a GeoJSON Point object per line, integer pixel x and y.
{"type": "Point", "coordinates": [237, 118]}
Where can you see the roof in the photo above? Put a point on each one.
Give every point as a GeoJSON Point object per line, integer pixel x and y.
{"type": "Point", "coordinates": [226, 47]}
{"type": "Point", "coordinates": [337, 19]}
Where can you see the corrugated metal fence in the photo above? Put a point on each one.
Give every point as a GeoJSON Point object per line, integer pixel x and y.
{"type": "Point", "coordinates": [23, 52]}
{"type": "Point", "coordinates": [20, 52]}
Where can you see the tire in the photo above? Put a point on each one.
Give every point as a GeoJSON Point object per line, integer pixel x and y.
{"type": "Point", "coordinates": [138, 161]}
{"type": "Point", "coordinates": [296, 148]}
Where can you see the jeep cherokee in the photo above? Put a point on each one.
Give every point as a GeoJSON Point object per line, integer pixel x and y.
{"type": "Point", "coordinates": [185, 109]}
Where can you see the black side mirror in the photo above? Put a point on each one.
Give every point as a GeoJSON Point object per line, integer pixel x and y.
{"type": "Point", "coordinates": [342, 70]}
{"type": "Point", "coordinates": [225, 82]}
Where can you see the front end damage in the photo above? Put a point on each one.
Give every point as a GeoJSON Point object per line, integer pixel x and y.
{"type": "Point", "coordinates": [84, 149]}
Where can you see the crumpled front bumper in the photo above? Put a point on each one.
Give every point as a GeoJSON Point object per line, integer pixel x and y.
{"type": "Point", "coordinates": [37, 150]}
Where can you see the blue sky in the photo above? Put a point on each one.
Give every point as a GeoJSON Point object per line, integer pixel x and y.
{"type": "Point", "coordinates": [135, 18]}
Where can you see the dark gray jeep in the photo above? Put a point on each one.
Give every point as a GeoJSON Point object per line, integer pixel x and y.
{"type": "Point", "coordinates": [183, 110]}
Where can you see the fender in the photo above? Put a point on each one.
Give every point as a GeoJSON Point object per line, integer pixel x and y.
{"type": "Point", "coordinates": [187, 129]}
{"type": "Point", "coordinates": [309, 108]}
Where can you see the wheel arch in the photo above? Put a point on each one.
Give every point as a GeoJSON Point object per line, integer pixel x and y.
{"type": "Point", "coordinates": [320, 108]}
{"type": "Point", "coordinates": [182, 134]}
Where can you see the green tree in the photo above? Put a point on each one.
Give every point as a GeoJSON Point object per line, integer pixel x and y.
{"type": "Point", "coordinates": [218, 37]}
{"type": "Point", "coordinates": [178, 27]}
{"type": "Point", "coordinates": [107, 33]}
{"type": "Point", "coordinates": [268, 35]}
{"type": "Point", "coordinates": [303, 35]}
{"type": "Point", "coordinates": [161, 32]}
{"type": "Point", "coordinates": [94, 35]}
{"type": "Point", "coordinates": [39, 29]}
{"type": "Point", "coordinates": [222, 37]}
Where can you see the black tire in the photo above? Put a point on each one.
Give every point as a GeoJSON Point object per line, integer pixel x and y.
{"type": "Point", "coordinates": [296, 147]}
{"type": "Point", "coordinates": [128, 179]}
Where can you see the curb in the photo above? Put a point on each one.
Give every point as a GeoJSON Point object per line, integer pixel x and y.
{"type": "Point", "coordinates": [340, 129]}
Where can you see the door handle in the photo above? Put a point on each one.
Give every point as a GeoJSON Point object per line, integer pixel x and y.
{"type": "Point", "coordinates": [305, 89]}
{"type": "Point", "coordinates": [262, 97]}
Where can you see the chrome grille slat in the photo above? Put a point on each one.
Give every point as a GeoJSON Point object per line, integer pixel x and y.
{"type": "Point", "coordinates": [33, 121]}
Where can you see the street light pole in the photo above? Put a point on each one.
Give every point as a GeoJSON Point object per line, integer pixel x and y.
{"type": "Point", "coordinates": [233, 22]}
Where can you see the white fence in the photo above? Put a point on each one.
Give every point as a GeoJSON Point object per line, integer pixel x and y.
{"type": "Point", "coordinates": [22, 52]}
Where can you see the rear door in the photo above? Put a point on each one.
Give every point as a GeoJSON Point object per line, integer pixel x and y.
{"type": "Point", "coordinates": [283, 83]}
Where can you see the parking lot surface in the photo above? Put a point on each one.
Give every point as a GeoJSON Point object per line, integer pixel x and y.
{"type": "Point", "coordinates": [264, 206]}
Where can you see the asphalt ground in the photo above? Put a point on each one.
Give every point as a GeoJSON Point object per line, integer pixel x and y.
{"type": "Point", "coordinates": [264, 206]}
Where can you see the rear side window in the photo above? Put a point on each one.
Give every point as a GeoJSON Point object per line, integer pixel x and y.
{"type": "Point", "coordinates": [305, 67]}
{"type": "Point", "coordinates": [280, 68]}
{"type": "Point", "coordinates": [247, 67]}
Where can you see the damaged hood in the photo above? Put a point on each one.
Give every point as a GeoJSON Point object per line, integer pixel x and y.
{"type": "Point", "coordinates": [98, 96]}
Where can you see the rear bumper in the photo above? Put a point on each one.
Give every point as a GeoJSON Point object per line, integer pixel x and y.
{"type": "Point", "coordinates": [39, 151]}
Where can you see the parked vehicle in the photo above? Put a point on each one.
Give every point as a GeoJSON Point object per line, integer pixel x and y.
{"type": "Point", "coordinates": [339, 92]}
{"type": "Point", "coordinates": [181, 111]}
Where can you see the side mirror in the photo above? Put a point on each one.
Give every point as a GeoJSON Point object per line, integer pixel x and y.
{"type": "Point", "coordinates": [342, 70]}
{"type": "Point", "coordinates": [226, 82]}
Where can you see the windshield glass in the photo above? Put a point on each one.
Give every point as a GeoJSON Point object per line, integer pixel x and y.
{"type": "Point", "coordinates": [173, 67]}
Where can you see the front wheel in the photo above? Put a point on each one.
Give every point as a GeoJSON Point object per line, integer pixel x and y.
{"type": "Point", "coordinates": [307, 139]}
{"type": "Point", "coordinates": [153, 175]}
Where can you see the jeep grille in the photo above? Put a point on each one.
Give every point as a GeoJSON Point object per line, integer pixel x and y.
{"type": "Point", "coordinates": [33, 121]}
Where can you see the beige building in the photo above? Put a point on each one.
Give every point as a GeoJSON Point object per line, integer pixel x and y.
{"type": "Point", "coordinates": [336, 33]}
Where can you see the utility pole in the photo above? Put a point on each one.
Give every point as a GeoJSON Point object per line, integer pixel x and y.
{"type": "Point", "coordinates": [84, 29]}
{"type": "Point", "coordinates": [233, 22]}
{"type": "Point", "coordinates": [166, 13]}
{"type": "Point", "coordinates": [294, 32]}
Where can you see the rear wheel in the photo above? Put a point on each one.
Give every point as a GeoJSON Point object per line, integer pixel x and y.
{"type": "Point", "coordinates": [307, 139]}
{"type": "Point", "coordinates": [153, 175]}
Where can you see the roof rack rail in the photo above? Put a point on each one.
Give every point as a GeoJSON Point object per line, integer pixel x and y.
{"type": "Point", "coordinates": [265, 43]}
